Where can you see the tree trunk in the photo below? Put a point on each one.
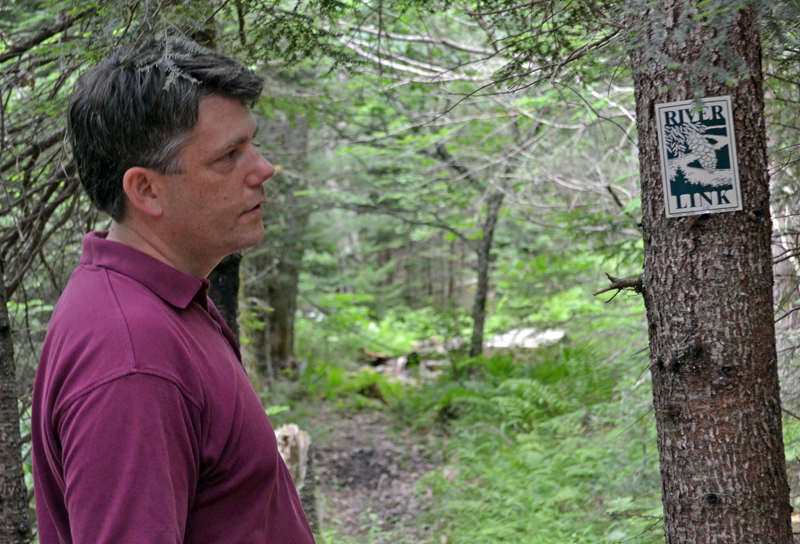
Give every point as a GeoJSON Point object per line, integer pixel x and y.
{"type": "Point", "coordinates": [282, 296]}
{"type": "Point", "coordinates": [14, 524]}
{"type": "Point", "coordinates": [282, 289]}
{"type": "Point", "coordinates": [493, 206]}
{"type": "Point", "coordinates": [285, 143]}
{"type": "Point", "coordinates": [264, 350]}
{"type": "Point", "coordinates": [451, 273]}
{"type": "Point", "coordinates": [224, 290]}
{"type": "Point", "coordinates": [708, 293]}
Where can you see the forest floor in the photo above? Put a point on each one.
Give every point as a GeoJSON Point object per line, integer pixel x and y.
{"type": "Point", "coordinates": [369, 474]}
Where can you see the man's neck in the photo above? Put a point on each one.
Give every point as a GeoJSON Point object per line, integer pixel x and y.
{"type": "Point", "coordinates": [151, 244]}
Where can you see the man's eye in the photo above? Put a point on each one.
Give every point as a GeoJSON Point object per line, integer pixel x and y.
{"type": "Point", "coordinates": [229, 156]}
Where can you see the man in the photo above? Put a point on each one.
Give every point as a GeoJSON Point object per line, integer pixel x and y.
{"type": "Point", "coordinates": [145, 427]}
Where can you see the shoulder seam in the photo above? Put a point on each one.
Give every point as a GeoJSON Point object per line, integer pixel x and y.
{"type": "Point", "coordinates": [128, 340]}
{"type": "Point", "coordinates": [119, 375]}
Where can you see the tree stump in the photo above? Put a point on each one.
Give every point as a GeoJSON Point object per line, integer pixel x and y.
{"type": "Point", "coordinates": [297, 452]}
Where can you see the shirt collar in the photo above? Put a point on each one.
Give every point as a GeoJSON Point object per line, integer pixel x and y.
{"type": "Point", "coordinates": [170, 284]}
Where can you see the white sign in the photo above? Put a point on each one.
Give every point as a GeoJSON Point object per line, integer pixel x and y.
{"type": "Point", "coordinates": [698, 157]}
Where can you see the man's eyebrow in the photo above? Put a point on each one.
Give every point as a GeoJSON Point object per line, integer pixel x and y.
{"type": "Point", "coordinates": [237, 141]}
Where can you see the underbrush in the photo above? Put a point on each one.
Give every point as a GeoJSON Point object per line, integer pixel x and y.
{"type": "Point", "coordinates": [560, 448]}
{"type": "Point", "coordinates": [555, 446]}
{"type": "Point", "coordinates": [569, 482]}
{"type": "Point", "coordinates": [350, 389]}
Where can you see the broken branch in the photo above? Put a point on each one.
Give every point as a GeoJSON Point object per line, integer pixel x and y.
{"type": "Point", "coordinates": [621, 284]}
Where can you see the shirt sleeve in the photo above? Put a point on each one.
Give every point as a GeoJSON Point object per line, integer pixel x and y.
{"type": "Point", "coordinates": [131, 462]}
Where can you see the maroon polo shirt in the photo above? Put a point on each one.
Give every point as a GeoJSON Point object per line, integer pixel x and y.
{"type": "Point", "coordinates": [145, 427]}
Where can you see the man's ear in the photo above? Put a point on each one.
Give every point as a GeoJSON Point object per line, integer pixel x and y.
{"type": "Point", "coordinates": [142, 186]}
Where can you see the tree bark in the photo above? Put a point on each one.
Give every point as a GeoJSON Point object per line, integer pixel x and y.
{"type": "Point", "coordinates": [493, 207]}
{"type": "Point", "coordinates": [14, 524]}
{"type": "Point", "coordinates": [282, 296]}
{"type": "Point", "coordinates": [707, 288]}
{"type": "Point", "coordinates": [224, 290]}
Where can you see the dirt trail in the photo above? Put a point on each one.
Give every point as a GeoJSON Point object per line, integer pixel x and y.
{"type": "Point", "coordinates": [367, 488]}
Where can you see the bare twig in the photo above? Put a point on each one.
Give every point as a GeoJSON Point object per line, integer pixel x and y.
{"type": "Point", "coordinates": [789, 412]}
{"type": "Point", "coordinates": [617, 200]}
{"type": "Point", "coordinates": [210, 17]}
{"type": "Point", "coordinates": [787, 314]}
{"type": "Point", "coordinates": [529, 4]}
{"type": "Point", "coordinates": [424, 39]}
{"type": "Point", "coordinates": [621, 284]}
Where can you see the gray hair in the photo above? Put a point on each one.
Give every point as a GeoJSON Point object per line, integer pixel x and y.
{"type": "Point", "coordinates": [137, 107]}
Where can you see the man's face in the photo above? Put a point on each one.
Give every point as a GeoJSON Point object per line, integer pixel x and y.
{"type": "Point", "coordinates": [214, 207]}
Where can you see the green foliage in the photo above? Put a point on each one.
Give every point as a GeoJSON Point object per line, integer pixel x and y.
{"type": "Point", "coordinates": [359, 389]}
{"type": "Point", "coordinates": [276, 409]}
{"type": "Point", "coordinates": [550, 487]}
{"type": "Point", "coordinates": [556, 449]}
{"type": "Point", "coordinates": [552, 446]}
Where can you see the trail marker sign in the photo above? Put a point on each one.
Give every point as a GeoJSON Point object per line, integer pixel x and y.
{"type": "Point", "coordinates": [699, 168]}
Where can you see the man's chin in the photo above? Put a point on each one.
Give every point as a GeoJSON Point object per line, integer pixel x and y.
{"type": "Point", "coordinates": [253, 240]}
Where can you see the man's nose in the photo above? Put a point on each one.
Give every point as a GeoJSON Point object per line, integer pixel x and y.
{"type": "Point", "coordinates": [262, 170]}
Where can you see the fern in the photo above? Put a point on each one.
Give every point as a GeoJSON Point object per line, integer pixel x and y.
{"type": "Point", "coordinates": [468, 399]}
{"type": "Point", "coordinates": [536, 392]}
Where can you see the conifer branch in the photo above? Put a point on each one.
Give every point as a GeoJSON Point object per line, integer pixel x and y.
{"type": "Point", "coordinates": [17, 50]}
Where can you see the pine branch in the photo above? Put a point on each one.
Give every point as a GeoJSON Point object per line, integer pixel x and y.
{"type": "Point", "coordinates": [17, 50]}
